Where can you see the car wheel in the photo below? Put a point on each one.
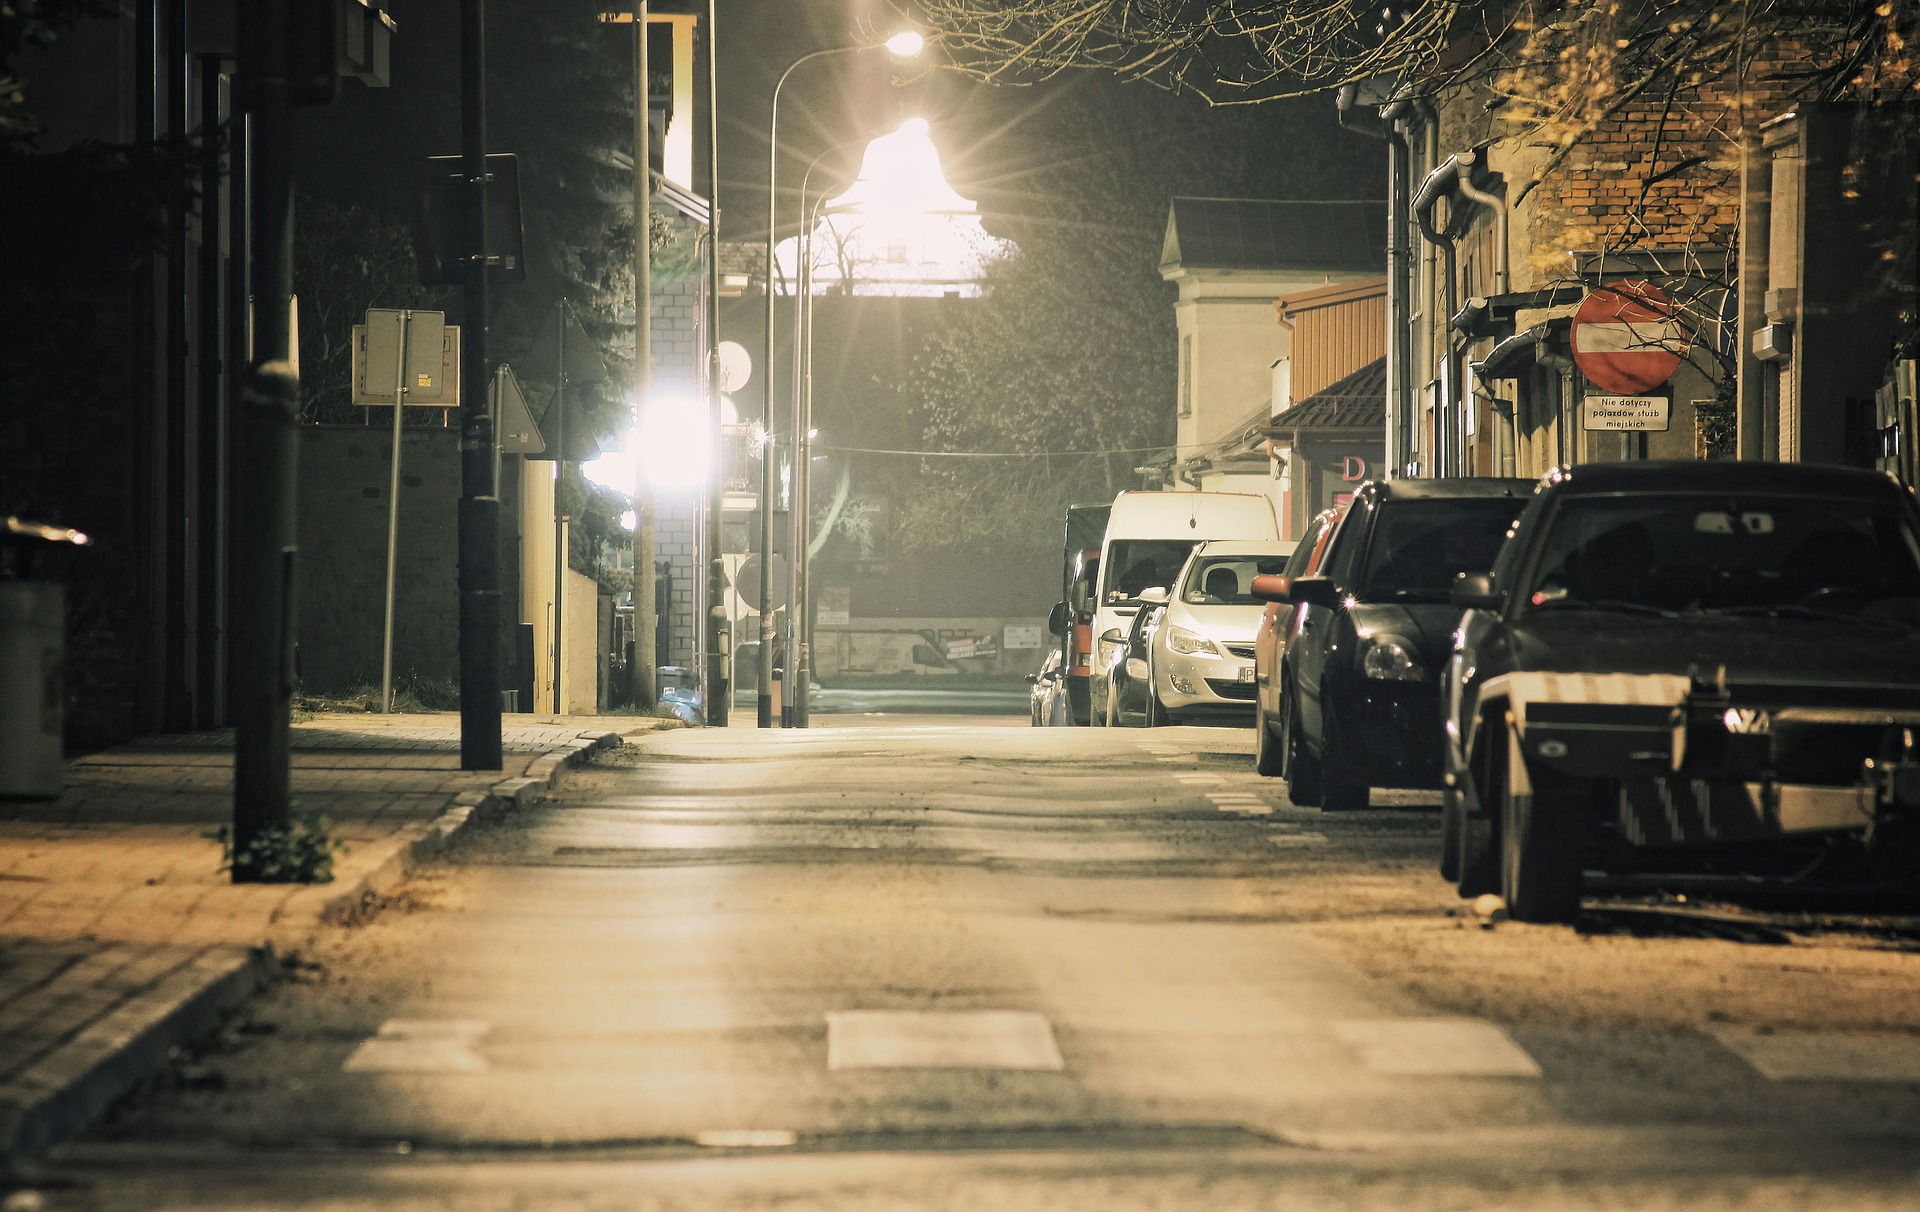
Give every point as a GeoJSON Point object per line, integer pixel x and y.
{"type": "Point", "coordinates": [1342, 789]}
{"type": "Point", "coordinates": [1450, 835]}
{"type": "Point", "coordinates": [1476, 840]}
{"type": "Point", "coordinates": [1113, 706]}
{"type": "Point", "coordinates": [1540, 852]}
{"type": "Point", "coordinates": [1156, 711]}
{"type": "Point", "coordinates": [1267, 754]}
{"type": "Point", "coordinates": [1303, 769]}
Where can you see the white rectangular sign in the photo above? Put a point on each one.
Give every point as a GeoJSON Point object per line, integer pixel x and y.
{"type": "Point", "coordinates": [1627, 413]}
{"type": "Point", "coordinates": [1020, 635]}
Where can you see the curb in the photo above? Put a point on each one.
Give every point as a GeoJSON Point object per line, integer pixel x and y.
{"type": "Point", "coordinates": [67, 1090]}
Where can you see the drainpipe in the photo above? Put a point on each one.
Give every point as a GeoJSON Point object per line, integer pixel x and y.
{"type": "Point", "coordinates": [1440, 182]}
{"type": "Point", "coordinates": [1399, 418]}
{"type": "Point", "coordinates": [1502, 283]}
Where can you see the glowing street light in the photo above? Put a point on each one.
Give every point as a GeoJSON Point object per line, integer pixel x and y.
{"type": "Point", "coordinates": [905, 44]}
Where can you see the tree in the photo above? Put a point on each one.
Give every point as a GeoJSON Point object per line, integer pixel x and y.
{"type": "Point", "coordinates": [1064, 370]}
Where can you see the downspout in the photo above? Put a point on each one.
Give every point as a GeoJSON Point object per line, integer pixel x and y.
{"type": "Point", "coordinates": [1399, 344]}
{"type": "Point", "coordinates": [1502, 283]}
{"type": "Point", "coordinates": [1438, 183]}
{"type": "Point", "coordinates": [1429, 157]}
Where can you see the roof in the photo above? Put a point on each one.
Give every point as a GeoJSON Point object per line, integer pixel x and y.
{"type": "Point", "coordinates": [1716, 475]}
{"type": "Point", "coordinates": [1257, 233]}
{"type": "Point", "coordinates": [1452, 488]}
{"type": "Point", "coordinates": [1358, 401]}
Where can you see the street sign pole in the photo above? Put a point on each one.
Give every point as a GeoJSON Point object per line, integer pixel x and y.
{"type": "Point", "coordinates": [393, 511]}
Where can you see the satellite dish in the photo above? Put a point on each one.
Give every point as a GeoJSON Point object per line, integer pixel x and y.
{"type": "Point", "coordinates": [736, 366]}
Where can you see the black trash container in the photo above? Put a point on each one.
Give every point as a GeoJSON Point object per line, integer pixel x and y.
{"type": "Point", "coordinates": [33, 638]}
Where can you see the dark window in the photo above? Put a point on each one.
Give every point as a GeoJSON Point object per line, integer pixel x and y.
{"type": "Point", "coordinates": [1139, 564]}
{"type": "Point", "coordinates": [1699, 552]}
{"type": "Point", "coordinates": [1419, 547]}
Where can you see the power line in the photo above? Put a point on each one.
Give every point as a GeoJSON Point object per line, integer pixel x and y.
{"type": "Point", "coordinates": [992, 454]}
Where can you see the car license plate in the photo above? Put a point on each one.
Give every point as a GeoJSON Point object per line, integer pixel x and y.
{"type": "Point", "coordinates": [1246, 674]}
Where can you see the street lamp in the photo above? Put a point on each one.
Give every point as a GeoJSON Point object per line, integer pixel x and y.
{"type": "Point", "coordinates": [906, 45]}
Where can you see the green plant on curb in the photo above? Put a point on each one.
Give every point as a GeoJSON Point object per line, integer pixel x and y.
{"type": "Point", "coordinates": [302, 854]}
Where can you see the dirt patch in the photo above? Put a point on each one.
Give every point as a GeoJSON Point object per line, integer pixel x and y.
{"type": "Point", "coordinates": [1617, 979]}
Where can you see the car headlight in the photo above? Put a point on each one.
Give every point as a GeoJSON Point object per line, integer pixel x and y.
{"type": "Point", "coordinates": [1391, 660]}
{"type": "Point", "coordinates": [1187, 643]}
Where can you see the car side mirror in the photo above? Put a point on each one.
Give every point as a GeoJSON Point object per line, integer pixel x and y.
{"type": "Point", "coordinates": [1314, 591]}
{"type": "Point", "coordinates": [1113, 636]}
{"type": "Point", "coordinates": [1057, 619]}
{"type": "Point", "coordinates": [1033, 679]}
{"type": "Point", "coordinates": [1136, 669]}
{"type": "Point", "coordinates": [1155, 595]}
{"type": "Point", "coordinates": [1475, 591]}
{"type": "Point", "coordinates": [1272, 587]}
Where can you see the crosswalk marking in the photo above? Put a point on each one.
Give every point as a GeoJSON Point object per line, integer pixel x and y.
{"type": "Point", "coordinates": [1435, 1047]}
{"type": "Point", "coordinates": [1857, 1056]}
{"type": "Point", "coordinates": [941, 1039]}
{"type": "Point", "coordinates": [417, 1045]}
{"type": "Point", "coordinates": [1297, 839]}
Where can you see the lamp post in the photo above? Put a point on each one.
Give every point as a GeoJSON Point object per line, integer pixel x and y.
{"type": "Point", "coordinates": [903, 45]}
{"type": "Point", "coordinates": [794, 706]}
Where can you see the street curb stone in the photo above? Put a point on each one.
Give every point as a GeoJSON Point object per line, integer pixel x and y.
{"type": "Point", "coordinates": [67, 1090]}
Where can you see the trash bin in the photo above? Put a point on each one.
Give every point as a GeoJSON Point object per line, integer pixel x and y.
{"type": "Point", "coordinates": [33, 614]}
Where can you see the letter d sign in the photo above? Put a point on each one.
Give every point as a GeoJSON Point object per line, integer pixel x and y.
{"type": "Point", "coordinates": [1353, 468]}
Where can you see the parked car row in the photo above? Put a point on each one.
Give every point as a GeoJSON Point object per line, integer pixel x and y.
{"type": "Point", "coordinates": [1704, 668]}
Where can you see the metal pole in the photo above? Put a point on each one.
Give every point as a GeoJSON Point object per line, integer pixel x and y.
{"type": "Point", "coordinates": [265, 463]}
{"type": "Point", "coordinates": [559, 530]}
{"type": "Point", "coordinates": [479, 516]}
{"type": "Point", "coordinates": [645, 619]}
{"type": "Point", "coordinates": [719, 689]}
{"type": "Point", "coordinates": [393, 516]}
{"type": "Point", "coordinates": [801, 612]}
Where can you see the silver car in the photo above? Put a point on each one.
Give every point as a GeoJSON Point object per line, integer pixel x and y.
{"type": "Point", "coordinates": [1202, 653]}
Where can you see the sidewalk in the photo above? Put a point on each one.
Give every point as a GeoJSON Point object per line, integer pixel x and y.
{"type": "Point", "coordinates": [120, 937]}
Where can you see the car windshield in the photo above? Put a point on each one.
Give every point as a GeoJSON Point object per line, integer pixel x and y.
{"type": "Point", "coordinates": [1763, 554]}
{"type": "Point", "coordinates": [1139, 564]}
{"type": "Point", "coordinates": [1419, 547]}
{"type": "Point", "coordinates": [1227, 580]}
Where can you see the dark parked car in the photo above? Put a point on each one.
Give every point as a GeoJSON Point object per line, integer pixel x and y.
{"type": "Point", "coordinates": [1687, 666]}
{"type": "Point", "coordinates": [1129, 671]}
{"type": "Point", "coordinates": [1360, 681]}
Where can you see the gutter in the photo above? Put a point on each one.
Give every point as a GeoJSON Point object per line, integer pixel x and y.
{"type": "Point", "coordinates": [1386, 126]}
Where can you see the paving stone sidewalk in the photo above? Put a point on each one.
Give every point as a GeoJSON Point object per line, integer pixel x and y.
{"type": "Point", "coordinates": [121, 938]}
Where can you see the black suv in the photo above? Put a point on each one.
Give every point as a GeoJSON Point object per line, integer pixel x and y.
{"type": "Point", "coordinates": [1359, 695]}
{"type": "Point", "coordinates": [1687, 667]}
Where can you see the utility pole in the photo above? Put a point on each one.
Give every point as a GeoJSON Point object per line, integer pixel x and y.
{"type": "Point", "coordinates": [645, 620]}
{"type": "Point", "coordinates": [265, 463]}
{"type": "Point", "coordinates": [719, 695]}
{"type": "Point", "coordinates": [479, 517]}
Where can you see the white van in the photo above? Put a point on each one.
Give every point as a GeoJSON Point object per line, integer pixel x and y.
{"type": "Point", "coordinates": [1149, 537]}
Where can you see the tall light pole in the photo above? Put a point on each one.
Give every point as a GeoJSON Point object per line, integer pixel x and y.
{"type": "Point", "coordinates": [793, 707]}
{"type": "Point", "coordinates": [904, 45]}
{"type": "Point", "coordinates": [719, 690]}
{"type": "Point", "coordinates": [645, 621]}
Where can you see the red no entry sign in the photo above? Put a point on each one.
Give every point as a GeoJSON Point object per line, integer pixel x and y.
{"type": "Point", "coordinates": [1628, 337]}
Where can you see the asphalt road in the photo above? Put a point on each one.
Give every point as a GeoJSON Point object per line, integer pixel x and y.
{"type": "Point", "coordinates": [905, 962]}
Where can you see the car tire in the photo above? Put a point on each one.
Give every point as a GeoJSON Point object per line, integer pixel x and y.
{"type": "Point", "coordinates": [1156, 711]}
{"type": "Point", "coordinates": [1540, 876]}
{"type": "Point", "coordinates": [1450, 835]}
{"type": "Point", "coordinates": [1303, 769]}
{"type": "Point", "coordinates": [1340, 791]}
{"type": "Point", "coordinates": [1114, 718]}
{"type": "Point", "coordinates": [1268, 757]}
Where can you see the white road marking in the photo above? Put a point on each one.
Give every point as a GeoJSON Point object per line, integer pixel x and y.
{"type": "Point", "coordinates": [1173, 759]}
{"type": "Point", "coordinates": [747, 1138]}
{"type": "Point", "coordinates": [418, 1045]}
{"type": "Point", "coordinates": [941, 1039]}
{"type": "Point", "coordinates": [1854, 1056]}
{"type": "Point", "coordinates": [1197, 779]}
{"type": "Point", "coordinates": [1297, 839]}
{"type": "Point", "coordinates": [1435, 1047]}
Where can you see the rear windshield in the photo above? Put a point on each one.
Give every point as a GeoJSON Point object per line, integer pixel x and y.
{"type": "Point", "coordinates": [1227, 580]}
{"type": "Point", "coordinates": [1137, 564]}
{"type": "Point", "coordinates": [1419, 547]}
{"type": "Point", "coordinates": [1706, 553]}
